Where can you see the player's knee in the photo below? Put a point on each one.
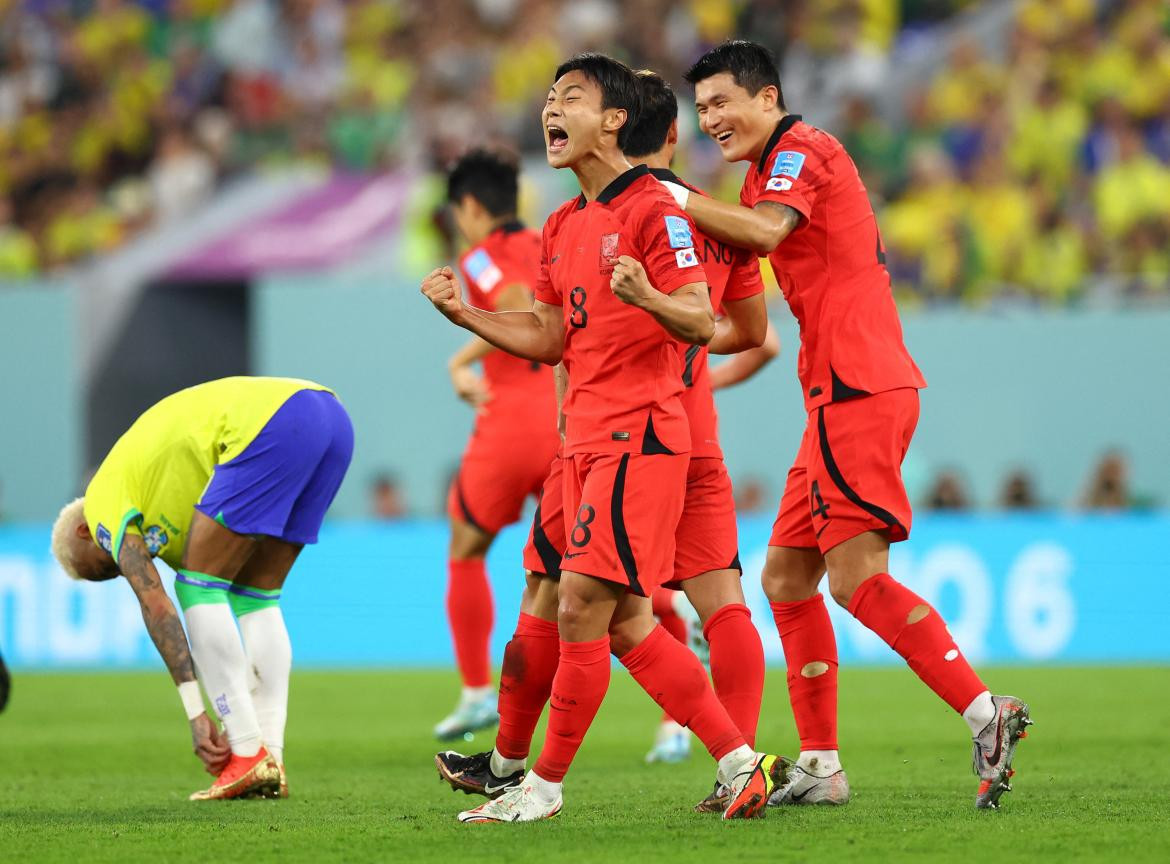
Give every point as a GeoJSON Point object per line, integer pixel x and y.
{"type": "Point", "coordinates": [467, 541]}
{"type": "Point", "coordinates": [842, 590]}
{"type": "Point", "coordinates": [622, 640]}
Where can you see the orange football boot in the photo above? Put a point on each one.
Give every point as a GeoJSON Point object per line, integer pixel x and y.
{"type": "Point", "coordinates": [244, 776]}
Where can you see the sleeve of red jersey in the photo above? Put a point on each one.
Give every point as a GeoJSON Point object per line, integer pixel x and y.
{"type": "Point", "coordinates": [744, 280]}
{"type": "Point", "coordinates": [665, 243]}
{"type": "Point", "coordinates": [792, 177]}
{"type": "Point", "coordinates": [544, 290]}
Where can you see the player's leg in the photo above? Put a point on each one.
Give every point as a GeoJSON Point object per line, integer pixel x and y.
{"type": "Point", "coordinates": [213, 558]}
{"type": "Point", "coordinates": [470, 616]}
{"type": "Point", "coordinates": [672, 741]}
{"type": "Point", "coordinates": [255, 599]}
{"type": "Point", "coordinates": [867, 508]}
{"type": "Point", "coordinates": [530, 659]}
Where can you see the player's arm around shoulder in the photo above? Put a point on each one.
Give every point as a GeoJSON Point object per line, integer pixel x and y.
{"type": "Point", "coordinates": [761, 228]}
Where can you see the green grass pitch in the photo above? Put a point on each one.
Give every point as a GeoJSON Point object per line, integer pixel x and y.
{"type": "Point", "coordinates": [97, 768]}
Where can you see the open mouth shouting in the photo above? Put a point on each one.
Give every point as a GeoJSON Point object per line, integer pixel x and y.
{"type": "Point", "coordinates": [557, 138]}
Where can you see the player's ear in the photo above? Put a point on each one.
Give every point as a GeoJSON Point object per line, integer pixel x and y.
{"type": "Point", "coordinates": [672, 133]}
{"type": "Point", "coordinates": [83, 530]}
{"type": "Point", "coordinates": [614, 119]}
{"type": "Point", "coordinates": [769, 97]}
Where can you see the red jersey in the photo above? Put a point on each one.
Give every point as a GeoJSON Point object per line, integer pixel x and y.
{"type": "Point", "coordinates": [523, 397]}
{"type": "Point", "coordinates": [732, 274]}
{"type": "Point", "coordinates": [831, 268]}
{"type": "Point", "coordinates": [625, 370]}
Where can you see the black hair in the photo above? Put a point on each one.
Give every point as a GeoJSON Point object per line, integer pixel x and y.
{"type": "Point", "coordinates": [487, 176]}
{"type": "Point", "coordinates": [659, 111]}
{"type": "Point", "coordinates": [751, 65]}
{"type": "Point", "coordinates": [618, 84]}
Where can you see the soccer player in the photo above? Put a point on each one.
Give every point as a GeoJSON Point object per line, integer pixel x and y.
{"type": "Point", "coordinates": [620, 282]}
{"type": "Point", "coordinates": [226, 482]}
{"type": "Point", "coordinates": [515, 436]}
{"type": "Point", "coordinates": [706, 558]}
{"type": "Point", "coordinates": [706, 564]}
{"type": "Point", "coordinates": [803, 205]}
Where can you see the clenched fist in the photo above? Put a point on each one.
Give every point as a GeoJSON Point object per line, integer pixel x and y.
{"type": "Point", "coordinates": [629, 281]}
{"type": "Point", "coordinates": [443, 291]}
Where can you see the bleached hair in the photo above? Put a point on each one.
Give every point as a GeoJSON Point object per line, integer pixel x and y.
{"type": "Point", "coordinates": [63, 532]}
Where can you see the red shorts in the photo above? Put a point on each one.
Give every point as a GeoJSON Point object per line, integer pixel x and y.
{"type": "Point", "coordinates": [707, 538]}
{"type": "Point", "coordinates": [546, 539]}
{"type": "Point", "coordinates": [493, 481]}
{"type": "Point", "coordinates": [621, 513]}
{"type": "Point", "coordinates": [847, 478]}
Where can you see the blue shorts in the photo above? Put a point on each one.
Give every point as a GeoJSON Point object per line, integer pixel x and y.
{"type": "Point", "coordinates": [284, 481]}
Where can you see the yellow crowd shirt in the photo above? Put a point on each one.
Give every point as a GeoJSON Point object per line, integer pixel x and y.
{"type": "Point", "coordinates": [155, 474]}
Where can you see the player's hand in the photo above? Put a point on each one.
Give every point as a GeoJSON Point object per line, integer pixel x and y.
{"type": "Point", "coordinates": [211, 746]}
{"type": "Point", "coordinates": [443, 291]}
{"type": "Point", "coordinates": [629, 281]}
{"type": "Point", "coordinates": [470, 386]}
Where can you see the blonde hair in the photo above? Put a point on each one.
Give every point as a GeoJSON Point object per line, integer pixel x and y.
{"type": "Point", "coordinates": [64, 532]}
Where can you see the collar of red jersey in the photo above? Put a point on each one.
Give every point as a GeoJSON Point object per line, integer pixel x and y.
{"type": "Point", "coordinates": [616, 187]}
{"type": "Point", "coordinates": [786, 123]}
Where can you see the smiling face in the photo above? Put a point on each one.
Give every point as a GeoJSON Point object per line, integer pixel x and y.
{"type": "Point", "coordinates": [739, 122]}
{"type": "Point", "coordinates": [575, 124]}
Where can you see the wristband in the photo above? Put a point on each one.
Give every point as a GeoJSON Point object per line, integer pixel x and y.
{"type": "Point", "coordinates": [192, 699]}
{"type": "Point", "coordinates": [680, 193]}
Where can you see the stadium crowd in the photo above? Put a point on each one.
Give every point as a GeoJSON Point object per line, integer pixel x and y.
{"type": "Point", "coordinates": [1020, 175]}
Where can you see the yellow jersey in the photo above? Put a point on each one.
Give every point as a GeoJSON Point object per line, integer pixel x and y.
{"type": "Point", "coordinates": [152, 478]}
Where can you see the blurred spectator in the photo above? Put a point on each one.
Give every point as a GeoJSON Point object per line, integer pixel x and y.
{"type": "Point", "coordinates": [386, 500]}
{"type": "Point", "coordinates": [1018, 492]}
{"type": "Point", "coordinates": [181, 175]}
{"type": "Point", "coordinates": [18, 250]}
{"type": "Point", "coordinates": [947, 494]}
{"type": "Point", "coordinates": [751, 495]}
{"type": "Point", "coordinates": [1109, 484]}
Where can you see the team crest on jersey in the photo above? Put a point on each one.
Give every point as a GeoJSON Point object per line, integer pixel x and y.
{"type": "Point", "coordinates": [678, 231]}
{"type": "Point", "coordinates": [609, 250]}
{"type": "Point", "coordinates": [788, 164]}
{"type": "Point", "coordinates": [155, 538]}
{"type": "Point", "coordinates": [104, 539]}
{"type": "Point", "coordinates": [686, 257]}
{"type": "Point", "coordinates": [483, 270]}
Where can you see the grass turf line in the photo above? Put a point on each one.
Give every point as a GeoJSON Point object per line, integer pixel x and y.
{"type": "Point", "coordinates": [98, 767]}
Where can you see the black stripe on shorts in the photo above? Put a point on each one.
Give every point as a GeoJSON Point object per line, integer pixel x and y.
{"type": "Point", "coordinates": [549, 557]}
{"type": "Point", "coordinates": [621, 539]}
{"type": "Point", "coordinates": [835, 475]}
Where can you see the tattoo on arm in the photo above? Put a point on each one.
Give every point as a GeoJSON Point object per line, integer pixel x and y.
{"type": "Point", "coordinates": [790, 218]}
{"type": "Point", "coordinates": [158, 613]}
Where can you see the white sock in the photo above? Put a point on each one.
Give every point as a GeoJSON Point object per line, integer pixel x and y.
{"type": "Point", "coordinates": [476, 694]}
{"type": "Point", "coordinates": [820, 763]}
{"type": "Point", "coordinates": [734, 762]}
{"type": "Point", "coordinates": [223, 669]}
{"type": "Point", "coordinates": [979, 713]}
{"type": "Point", "coordinates": [502, 766]}
{"type": "Point", "coordinates": [270, 663]}
{"type": "Point", "coordinates": [545, 790]}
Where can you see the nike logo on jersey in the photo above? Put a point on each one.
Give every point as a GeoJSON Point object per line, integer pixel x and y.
{"type": "Point", "coordinates": [569, 555]}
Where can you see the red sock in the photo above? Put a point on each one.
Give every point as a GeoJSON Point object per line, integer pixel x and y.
{"type": "Point", "coordinates": [577, 690]}
{"type": "Point", "coordinates": [810, 652]}
{"type": "Point", "coordinates": [737, 666]}
{"type": "Point", "coordinates": [663, 605]}
{"type": "Point", "coordinates": [469, 611]}
{"type": "Point", "coordinates": [530, 662]}
{"type": "Point", "coordinates": [677, 681]}
{"type": "Point", "coordinates": [914, 629]}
